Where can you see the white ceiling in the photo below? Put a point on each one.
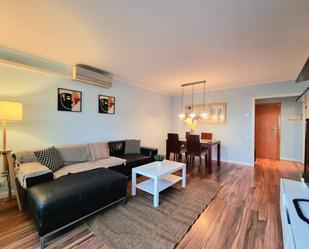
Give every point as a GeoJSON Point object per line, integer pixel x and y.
{"type": "Point", "coordinates": [160, 44]}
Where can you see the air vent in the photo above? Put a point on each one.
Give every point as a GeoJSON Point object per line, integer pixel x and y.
{"type": "Point", "coordinates": [92, 75]}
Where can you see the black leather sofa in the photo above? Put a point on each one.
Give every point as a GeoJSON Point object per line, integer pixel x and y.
{"type": "Point", "coordinates": [58, 204]}
{"type": "Point", "coordinates": [117, 149]}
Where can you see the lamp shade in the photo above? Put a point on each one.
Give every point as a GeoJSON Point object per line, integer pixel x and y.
{"type": "Point", "coordinates": [11, 111]}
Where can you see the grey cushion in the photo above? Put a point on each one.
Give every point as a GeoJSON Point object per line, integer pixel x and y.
{"type": "Point", "coordinates": [132, 146]}
{"type": "Point", "coordinates": [25, 156]}
{"type": "Point", "coordinates": [50, 158]}
{"type": "Point", "coordinates": [72, 154]}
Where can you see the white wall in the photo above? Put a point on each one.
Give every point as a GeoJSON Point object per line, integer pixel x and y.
{"type": "Point", "coordinates": [237, 134]}
{"type": "Point", "coordinates": [140, 113]}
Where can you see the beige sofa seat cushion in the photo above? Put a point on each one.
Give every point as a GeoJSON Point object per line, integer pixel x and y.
{"type": "Point", "coordinates": [27, 170]}
{"type": "Point", "coordinates": [110, 162]}
{"type": "Point", "coordinates": [80, 167]}
{"type": "Point", "coordinates": [99, 150]}
{"type": "Point", "coordinates": [73, 168]}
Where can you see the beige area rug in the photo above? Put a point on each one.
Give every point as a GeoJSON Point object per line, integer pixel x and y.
{"type": "Point", "coordinates": [139, 225]}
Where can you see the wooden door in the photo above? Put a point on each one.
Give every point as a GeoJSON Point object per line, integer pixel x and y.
{"type": "Point", "coordinates": [267, 130]}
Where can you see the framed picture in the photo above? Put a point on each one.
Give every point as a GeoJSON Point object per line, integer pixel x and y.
{"type": "Point", "coordinates": [69, 100]}
{"type": "Point", "coordinates": [216, 113]}
{"type": "Point", "coordinates": [106, 104]}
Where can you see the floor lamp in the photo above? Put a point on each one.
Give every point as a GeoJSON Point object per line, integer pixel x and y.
{"type": "Point", "coordinates": [9, 112]}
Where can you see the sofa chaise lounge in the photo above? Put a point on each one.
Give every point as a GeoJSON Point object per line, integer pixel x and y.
{"type": "Point", "coordinates": [58, 204]}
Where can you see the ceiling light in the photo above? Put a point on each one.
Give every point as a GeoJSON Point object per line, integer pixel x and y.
{"type": "Point", "coordinates": [182, 115]}
{"type": "Point", "coordinates": [187, 113]}
{"type": "Point", "coordinates": [204, 115]}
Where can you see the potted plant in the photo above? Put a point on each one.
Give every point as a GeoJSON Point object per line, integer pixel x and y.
{"type": "Point", "coordinates": [159, 159]}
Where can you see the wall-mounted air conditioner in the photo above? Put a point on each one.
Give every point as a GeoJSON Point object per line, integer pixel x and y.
{"type": "Point", "coordinates": [92, 75]}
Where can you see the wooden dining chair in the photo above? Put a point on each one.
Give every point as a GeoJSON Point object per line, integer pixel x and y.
{"type": "Point", "coordinates": [206, 135]}
{"type": "Point", "coordinates": [194, 149]}
{"type": "Point", "coordinates": [174, 146]}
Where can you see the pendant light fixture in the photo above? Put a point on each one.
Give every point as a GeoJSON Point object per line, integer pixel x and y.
{"type": "Point", "coordinates": [192, 117]}
{"type": "Point", "coordinates": [204, 114]}
{"type": "Point", "coordinates": [182, 115]}
{"type": "Point", "coordinates": [192, 114]}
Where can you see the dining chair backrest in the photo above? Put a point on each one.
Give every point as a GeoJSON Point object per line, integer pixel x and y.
{"type": "Point", "coordinates": [187, 134]}
{"type": "Point", "coordinates": [194, 145]}
{"type": "Point", "coordinates": [206, 135]}
{"type": "Point", "coordinates": [173, 143]}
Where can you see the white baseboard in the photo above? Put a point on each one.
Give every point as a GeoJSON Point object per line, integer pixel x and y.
{"type": "Point", "coordinates": [229, 161]}
{"type": "Point", "coordinates": [234, 162]}
{"type": "Point", "coordinates": [291, 159]}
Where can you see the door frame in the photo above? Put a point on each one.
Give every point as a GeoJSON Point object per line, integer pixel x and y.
{"type": "Point", "coordinates": [253, 100]}
{"type": "Point", "coordinates": [278, 154]}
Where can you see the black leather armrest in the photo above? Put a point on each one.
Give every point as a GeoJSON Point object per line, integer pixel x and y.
{"type": "Point", "coordinates": [148, 151]}
{"type": "Point", "coordinates": [32, 181]}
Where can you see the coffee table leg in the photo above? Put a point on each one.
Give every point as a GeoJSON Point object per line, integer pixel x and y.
{"type": "Point", "coordinates": [155, 193]}
{"type": "Point", "coordinates": [133, 183]}
{"type": "Point", "coordinates": [184, 177]}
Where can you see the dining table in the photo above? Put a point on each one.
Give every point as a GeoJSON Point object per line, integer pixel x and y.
{"type": "Point", "coordinates": [207, 144]}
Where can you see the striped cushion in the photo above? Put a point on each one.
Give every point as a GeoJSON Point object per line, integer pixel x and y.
{"type": "Point", "coordinates": [50, 158]}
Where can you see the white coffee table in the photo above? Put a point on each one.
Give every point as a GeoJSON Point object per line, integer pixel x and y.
{"type": "Point", "coordinates": [161, 178]}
